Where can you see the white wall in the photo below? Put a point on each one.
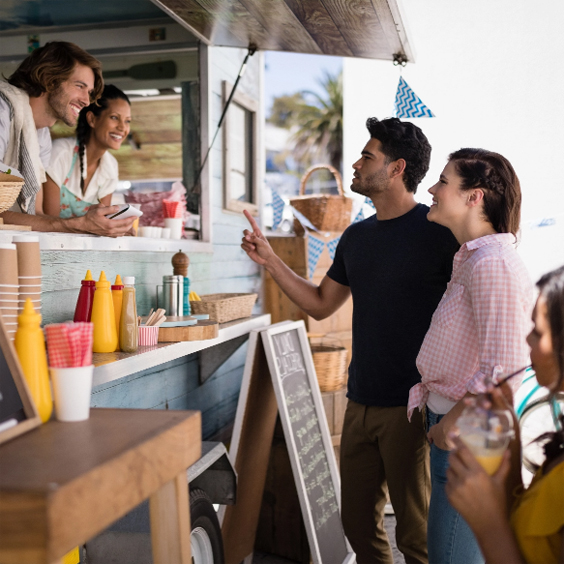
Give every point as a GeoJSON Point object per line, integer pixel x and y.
{"type": "Point", "coordinates": [491, 71]}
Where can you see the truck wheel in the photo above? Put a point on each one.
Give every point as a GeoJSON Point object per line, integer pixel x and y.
{"type": "Point", "coordinates": [205, 537]}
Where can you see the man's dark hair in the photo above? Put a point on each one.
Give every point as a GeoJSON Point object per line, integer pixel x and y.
{"type": "Point", "coordinates": [403, 140]}
{"type": "Point", "coordinates": [47, 67]}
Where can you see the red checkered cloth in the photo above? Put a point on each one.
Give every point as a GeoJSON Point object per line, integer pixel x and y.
{"type": "Point", "coordinates": [69, 344]}
{"type": "Point", "coordinates": [479, 328]}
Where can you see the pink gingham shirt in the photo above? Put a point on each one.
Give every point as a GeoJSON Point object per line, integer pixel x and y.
{"type": "Point", "coordinates": [480, 325]}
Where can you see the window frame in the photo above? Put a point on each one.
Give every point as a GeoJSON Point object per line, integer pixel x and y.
{"type": "Point", "coordinates": [252, 106]}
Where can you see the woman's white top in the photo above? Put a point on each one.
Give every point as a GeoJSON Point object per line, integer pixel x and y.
{"type": "Point", "coordinates": [103, 182]}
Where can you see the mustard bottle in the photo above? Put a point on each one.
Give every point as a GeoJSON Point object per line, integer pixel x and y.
{"type": "Point", "coordinates": [117, 297]}
{"type": "Point", "coordinates": [105, 336]}
{"type": "Point", "coordinates": [128, 330]}
{"type": "Point", "coordinates": [30, 346]}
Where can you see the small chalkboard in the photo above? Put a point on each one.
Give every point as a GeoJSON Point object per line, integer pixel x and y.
{"type": "Point", "coordinates": [17, 411]}
{"type": "Point", "coordinates": [308, 440]}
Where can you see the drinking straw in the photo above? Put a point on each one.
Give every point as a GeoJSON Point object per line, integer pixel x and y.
{"type": "Point", "coordinates": [501, 382]}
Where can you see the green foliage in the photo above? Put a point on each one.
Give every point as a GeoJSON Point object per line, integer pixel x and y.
{"type": "Point", "coordinates": [285, 109]}
{"type": "Point", "coordinates": [320, 124]}
{"type": "Point", "coordinates": [317, 121]}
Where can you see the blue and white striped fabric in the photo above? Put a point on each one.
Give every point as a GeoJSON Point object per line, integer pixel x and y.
{"type": "Point", "coordinates": [315, 247]}
{"type": "Point", "coordinates": [332, 245]}
{"type": "Point", "coordinates": [277, 209]}
{"type": "Point", "coordinates": [408, 104]}
{"type": "Point", "coordinates": [370, 203]}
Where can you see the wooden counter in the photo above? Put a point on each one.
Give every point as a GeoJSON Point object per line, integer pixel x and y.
{"type": "Point", "coordinates": [63, 483]}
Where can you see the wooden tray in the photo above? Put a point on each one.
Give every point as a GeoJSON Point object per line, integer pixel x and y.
{"type": "Point", "coordinates": [204, 329]}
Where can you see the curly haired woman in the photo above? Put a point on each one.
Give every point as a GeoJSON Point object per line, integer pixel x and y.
{"type": "Point", "coordinates": [533, 532]}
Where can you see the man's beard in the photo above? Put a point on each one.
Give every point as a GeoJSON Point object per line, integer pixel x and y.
{"type": "Point", "coordinates": [371, 185]}
{"type": "Point", "coordinates": [60, 107]}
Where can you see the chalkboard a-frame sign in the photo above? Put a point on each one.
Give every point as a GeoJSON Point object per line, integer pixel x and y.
{"type": "Point", "coordinates": [309, 442]}
{"type": "Point", "coordinates": [17, 411]}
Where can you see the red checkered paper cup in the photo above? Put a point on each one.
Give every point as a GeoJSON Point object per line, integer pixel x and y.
{"type": "Point", "coordinates": [172, 208]}
{"type": "Point", "coordinates": [69, 344]}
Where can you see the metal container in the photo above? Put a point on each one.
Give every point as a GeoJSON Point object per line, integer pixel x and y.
{"type": "Point", "coordinates": [172, 295]}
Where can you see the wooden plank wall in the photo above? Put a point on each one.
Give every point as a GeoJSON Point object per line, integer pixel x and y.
{"type": "Point", "coordinates": [227, 269]}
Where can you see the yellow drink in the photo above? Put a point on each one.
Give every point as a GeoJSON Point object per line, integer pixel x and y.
{"type": "Point", "coordinates": [136, 225]}
{"type": "Point", "coordinates": [490, 462]}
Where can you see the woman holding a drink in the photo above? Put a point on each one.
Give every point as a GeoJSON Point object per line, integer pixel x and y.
{"type": "Point", "coordinates": [480, 325]}
{"type": "Point", "coordinates": [534, 530]}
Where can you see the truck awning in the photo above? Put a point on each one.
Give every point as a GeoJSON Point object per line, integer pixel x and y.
{"type": "Point", "coordinates": [371, 29]}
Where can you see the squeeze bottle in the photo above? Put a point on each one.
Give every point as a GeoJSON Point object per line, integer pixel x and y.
{"type": "Point", "coordinates": [117, 295]}
{"type": "Point", "coordinates": [105, 336]}
{"type": "Point", "coordinates": [83, 310]}
{"type": "Point", "coordinates": [128, 331]}
{"type": "Point", "coordinates": [30, 346]}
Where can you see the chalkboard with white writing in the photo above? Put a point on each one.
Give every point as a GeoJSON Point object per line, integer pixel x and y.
{"type": "Point", "coordinates": [309, 442]}
{"type": "Point", "coordinates": [17, 412]}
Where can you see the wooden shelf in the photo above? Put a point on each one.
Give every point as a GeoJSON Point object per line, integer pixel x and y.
{"type": "Point", "coordinates": [116, 365]}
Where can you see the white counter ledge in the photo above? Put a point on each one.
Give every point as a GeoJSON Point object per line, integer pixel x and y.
{"type": "Point", "coordinates": [79, 242]}
{"type": "Point", "coordinates": [113, 366]}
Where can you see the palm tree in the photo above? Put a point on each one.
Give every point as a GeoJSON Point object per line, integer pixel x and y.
{"type": "Point", "coordinates": [320, 123]}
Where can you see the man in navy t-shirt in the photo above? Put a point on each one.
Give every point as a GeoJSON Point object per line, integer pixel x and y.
{"type": "Point", "coordinates": [396, 265]}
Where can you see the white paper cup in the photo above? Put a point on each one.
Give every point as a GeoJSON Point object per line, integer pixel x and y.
{"type": "Point", "coordinates": [157, 232]}
{"type": "Point", "coordinates": [165, 233]}
{"type": "Point", "coordinates": [175, 224]}
{"type": "Point", "coordinates": [144, 231]}
{"type": "Point", "coordinates": [72, 388]}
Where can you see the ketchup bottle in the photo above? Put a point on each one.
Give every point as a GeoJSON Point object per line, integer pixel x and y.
{"type": "Point", "coordinates": [83, 311]}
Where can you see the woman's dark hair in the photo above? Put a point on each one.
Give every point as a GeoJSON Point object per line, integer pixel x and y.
{"type": "Point", "coordinates": [551, 287]}
{"type": "Point", "coordinates": [83, 129]}
{"type": "Point", "coordinates": [47, 67]}
{"type": "Point", "coordinates": [494, 174]}
{"type": "Point", "coordinates": [403, 140]}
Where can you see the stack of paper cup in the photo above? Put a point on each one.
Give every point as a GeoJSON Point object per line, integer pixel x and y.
{"type": "Point", "coordinates": [9, 288]}
{"type": "Point", "coordinates": [29, 270]}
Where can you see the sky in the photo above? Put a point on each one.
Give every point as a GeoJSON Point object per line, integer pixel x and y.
{"type": "Point", "coordinates": [281, 77]}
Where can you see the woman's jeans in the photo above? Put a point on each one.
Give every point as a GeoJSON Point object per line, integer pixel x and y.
{"type": "Point", "coordinates": [449, 538]}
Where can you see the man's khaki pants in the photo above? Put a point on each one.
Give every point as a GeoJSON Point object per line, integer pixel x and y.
{"type": "Point", "coordinates": [380, 451]}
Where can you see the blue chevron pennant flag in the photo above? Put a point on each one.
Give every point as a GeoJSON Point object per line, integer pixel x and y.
{"type": "Point", "coordinates": [332, 246]}
{"type": "Point", "coordinates": [408, 104]}
{"type": "Point", "coordinates": [315, 247]}
{"type": "Point", "coordinates": [370, 203]}
{"type": "Point", "coordinates": [277, 209]}
{"type": "Point", "coordinates": [359, 216]}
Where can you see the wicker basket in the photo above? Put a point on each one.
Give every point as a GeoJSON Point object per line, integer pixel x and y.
{"type": "Point", "coordinates": [225, 307]}
{"type": "Point", "coordinates": [326, 212]}
{"type": "Point", "coordinates": [330, 363]}
{"type": "Point", "coordinates": [9, 192]}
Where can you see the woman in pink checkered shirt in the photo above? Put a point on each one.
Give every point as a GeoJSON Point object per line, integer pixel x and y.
{"type": "Point", "coordinates": [480, 326]}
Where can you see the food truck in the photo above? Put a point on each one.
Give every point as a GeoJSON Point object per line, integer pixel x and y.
{"type": "Point", "coordinates": [183, 64]}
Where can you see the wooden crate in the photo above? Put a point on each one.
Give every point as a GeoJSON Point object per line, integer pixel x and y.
{"type": "Point", "coordinates": [293, 251]}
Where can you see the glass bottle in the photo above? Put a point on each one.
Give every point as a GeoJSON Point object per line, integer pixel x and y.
{"type": "Point", "coordinates": [128, 330]}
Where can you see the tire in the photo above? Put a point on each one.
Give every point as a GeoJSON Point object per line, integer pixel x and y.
{"type": "Point", "coordinates": [537, 418]}
{"type": "Point", "coordinates": [205, 535]}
